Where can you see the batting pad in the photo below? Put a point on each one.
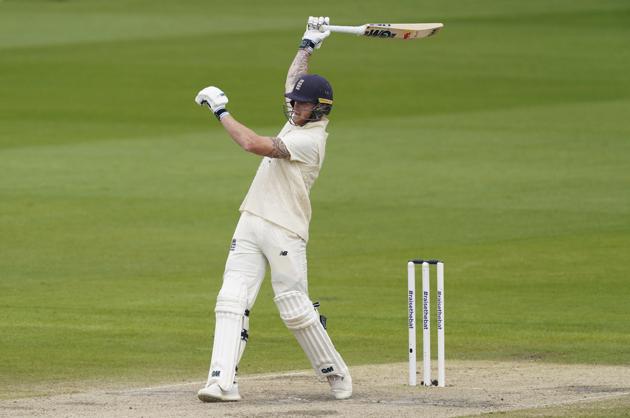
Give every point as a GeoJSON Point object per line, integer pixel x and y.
{"type": "Point", "coordinates": [299, 315]}
{"type": "Point", "coordinates": [230, 314]}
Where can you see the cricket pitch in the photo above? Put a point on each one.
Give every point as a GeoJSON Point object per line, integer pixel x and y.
{"type": "Point", "coordinates": [473, 387]}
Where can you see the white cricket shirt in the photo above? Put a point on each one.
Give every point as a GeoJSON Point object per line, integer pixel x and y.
{"type": "Point", "coordinates": [280, 190]}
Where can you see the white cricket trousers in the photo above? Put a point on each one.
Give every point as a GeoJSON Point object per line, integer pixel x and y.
{"type": "Point", "coordinates": [257, 242]}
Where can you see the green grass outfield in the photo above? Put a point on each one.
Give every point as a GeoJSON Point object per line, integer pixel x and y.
{"type": "Point", "coordinates": [501, 146]}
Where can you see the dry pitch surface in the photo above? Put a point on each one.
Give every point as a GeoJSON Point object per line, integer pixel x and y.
{"type": "Point", "coordinates": [380, 390]}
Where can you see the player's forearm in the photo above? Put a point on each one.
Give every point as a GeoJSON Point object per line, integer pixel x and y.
{"type": "Point", "coordinates": [250, 141]}
{"type": "Point", "coordinates": [240, 133]}
{"type": "Point", "coordinates": [298, 67]}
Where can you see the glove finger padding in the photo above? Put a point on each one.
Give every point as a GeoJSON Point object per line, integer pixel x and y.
{"type": "Point", "coordinates": [311, 23]}
{"type": "Point", "coordinates": [316, 23]}
{"type": "Point", "coordinates": [213, 96]}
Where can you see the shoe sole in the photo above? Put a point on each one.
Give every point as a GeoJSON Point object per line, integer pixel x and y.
{"type": "Point", "coordinates": [342, 396]}
{"type": "Point", "coordinates": [208, 398]}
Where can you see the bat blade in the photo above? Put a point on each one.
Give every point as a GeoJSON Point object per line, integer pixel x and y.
{"type": "Point", "coordinates": [402, 31]}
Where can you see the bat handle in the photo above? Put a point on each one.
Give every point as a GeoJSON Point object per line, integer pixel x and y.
{"type": "Point", "coordinates": [356, 30]}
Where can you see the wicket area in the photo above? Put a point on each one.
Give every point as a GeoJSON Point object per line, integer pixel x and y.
{"type": "Point", "coordinates": [426, 322]}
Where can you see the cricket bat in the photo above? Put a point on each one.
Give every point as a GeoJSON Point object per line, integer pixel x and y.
{"type": "Point", "coordinates": [403, 31]}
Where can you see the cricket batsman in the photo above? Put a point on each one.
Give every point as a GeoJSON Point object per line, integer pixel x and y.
{"type": "Point", "coordinates": [273, 228]}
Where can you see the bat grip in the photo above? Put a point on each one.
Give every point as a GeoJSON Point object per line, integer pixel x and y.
{"type": "Point", "coordinates": [356, 30]}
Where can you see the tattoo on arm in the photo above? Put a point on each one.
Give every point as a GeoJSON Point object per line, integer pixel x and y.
{"type": "Point", "coordinates": [298, 67]}
{"type": "Point", "coordinates": [279, 149]}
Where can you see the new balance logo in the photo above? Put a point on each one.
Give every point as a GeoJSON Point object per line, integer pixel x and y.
{"type": "Point", "coordinates": [284, 253]}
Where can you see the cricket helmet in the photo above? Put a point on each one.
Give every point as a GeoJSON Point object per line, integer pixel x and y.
{"type": "Point", "coordinates": [312, 88]}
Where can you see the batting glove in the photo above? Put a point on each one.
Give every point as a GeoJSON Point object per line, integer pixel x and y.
{"type": "Point", "coordinates": [215, 99]}
{"type": "Point", "coordinates": [315, 34]}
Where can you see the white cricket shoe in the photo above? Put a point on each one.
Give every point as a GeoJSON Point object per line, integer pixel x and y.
{"type": "Point", "coordinates": [340, 386]}
{"type": "Point", "coordinates": [214, 393]}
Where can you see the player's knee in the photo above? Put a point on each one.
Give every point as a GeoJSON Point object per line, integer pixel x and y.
{"type": "Point", "coordinates": [296, 310]}
{"type": "Point", "coordinates": [232, 297]}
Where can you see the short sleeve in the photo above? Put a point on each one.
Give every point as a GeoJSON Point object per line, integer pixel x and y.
{"type": "Point", "coordinates": [303, 148]}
